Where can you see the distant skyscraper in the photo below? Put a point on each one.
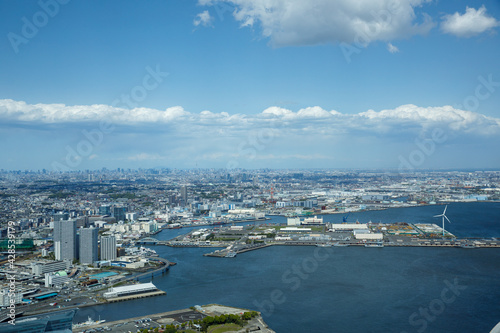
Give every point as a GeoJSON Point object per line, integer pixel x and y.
{"type": "Point", "coordinates": [119, 213]}
{"type": "Point", "coordinates": [65, 240]}
{"type": "Point", "coordinates": [88, 245]}
{"type": "Point", "coordinates": [60, 216]}
{"type": "Point", "coordinates": [184, 195]}
{"type": "Point", "coordinates": [108, 248]}
{"type": "Point", "coordinates": [105, 210]}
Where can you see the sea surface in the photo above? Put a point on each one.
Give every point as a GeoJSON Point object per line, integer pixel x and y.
{"type": "Point", "coordinates": [342, 289]}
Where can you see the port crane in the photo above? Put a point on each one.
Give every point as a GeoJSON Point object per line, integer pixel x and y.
{"type": "Point", "coordinates": [344, 218]}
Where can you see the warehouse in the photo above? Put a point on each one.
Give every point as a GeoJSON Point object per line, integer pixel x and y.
{"type": "Point", "coordinates": [130, 290]}
{"type": "Point", "coordinates": [347, 226]}
{"type": "Point", "coordinates": [367, 235]}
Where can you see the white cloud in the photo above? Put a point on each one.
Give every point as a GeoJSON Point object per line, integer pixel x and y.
{"type": "Point", "coordinates": [310, 112]}
{"type": "Point", "coordinates": [299, 22]}
{"type": "Point", "coordinates": [307, 120]}
{"type": "Point", "coordinates": [472, 22]}
{"type": "Point", "coordinates": [145, 157]}
{"type": "Point", "coordinates": [391, 48]}
{"type": "Point", "coordinates": [203, 18]}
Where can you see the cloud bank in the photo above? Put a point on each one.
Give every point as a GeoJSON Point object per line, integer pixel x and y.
{"type": "Point", "coordinates": [44, 135]}
{"type": "Point", "coordinates": [383, 121]}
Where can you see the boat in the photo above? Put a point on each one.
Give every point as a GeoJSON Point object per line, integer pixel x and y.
{"type": "Point", "coordinates": [468, 246]}
{"type": "Point", "coordinates": [231, 254]}
{"type": "Point", "coordinates": [324, 245]}
{"type": "Point", "coordinates": [89, 322]}
{"type": "Point", "coordinates": [340, 244]}
{"type": "Point", "coordinates": [374, 245]}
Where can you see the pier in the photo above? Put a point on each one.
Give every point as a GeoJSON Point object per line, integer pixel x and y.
{"type": "Point", "coordinates": [136, 296]}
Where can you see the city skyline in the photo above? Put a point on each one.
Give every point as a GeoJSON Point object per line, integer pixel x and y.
{"type": "Point", "coordinates": [226, 84]}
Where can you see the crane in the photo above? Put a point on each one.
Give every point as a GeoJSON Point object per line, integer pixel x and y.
{"type": "Point", "coordinates": [344, 219]}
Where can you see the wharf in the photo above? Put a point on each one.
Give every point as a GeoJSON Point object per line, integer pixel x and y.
{"type": "Point", "coordinates": [226, 252]}
{"type": "Point", "coordinates": [136, 296]}
{"type": "Point", "coordinates": [176, 317]}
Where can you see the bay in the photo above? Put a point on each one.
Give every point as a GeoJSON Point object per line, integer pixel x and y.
{"type": "Point", "coordinates": [308, 289]}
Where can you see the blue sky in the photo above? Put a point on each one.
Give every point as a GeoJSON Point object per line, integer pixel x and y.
{"type": "Point", "coordinates": [249, 84]}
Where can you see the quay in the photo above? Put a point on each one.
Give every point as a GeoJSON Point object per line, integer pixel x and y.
{"type": "Point", "coordinates": [136, 296]}
{"type": "Point", "coordinates": [176, 318]}
{"type": "Point", "coordinates": [232, 252]}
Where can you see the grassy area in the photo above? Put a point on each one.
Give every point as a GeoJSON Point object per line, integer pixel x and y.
{"type": "Point", "coordinates": [224, 328]}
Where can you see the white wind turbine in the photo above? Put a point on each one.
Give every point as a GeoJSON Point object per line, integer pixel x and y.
{"type": "Point", "coordinates": [444, 217]}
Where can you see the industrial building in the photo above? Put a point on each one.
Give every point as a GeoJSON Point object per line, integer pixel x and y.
{"type": "Point", "coordinates": [347, 226]}
{"type": "Point", "coordinates": [293, 229]}
{"type": "Point", "coordinates": [367, 235]}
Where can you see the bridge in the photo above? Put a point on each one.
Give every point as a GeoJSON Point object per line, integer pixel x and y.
{"type": "Point", "coordinates": [148, 240]}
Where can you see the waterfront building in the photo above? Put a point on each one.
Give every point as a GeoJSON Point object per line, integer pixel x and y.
{"type": "Point", "coordinates": [59, 321]}
{"type": "Point", "coordinates": [130, 290]}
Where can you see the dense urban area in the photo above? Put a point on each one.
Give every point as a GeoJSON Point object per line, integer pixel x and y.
{"type": "Point", "coordinates": [76, 239]}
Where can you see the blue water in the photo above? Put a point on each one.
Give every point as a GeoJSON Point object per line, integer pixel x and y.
{"type": "Point", "coordinates": [309, 289]}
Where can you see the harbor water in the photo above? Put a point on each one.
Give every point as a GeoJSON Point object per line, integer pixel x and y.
{"type": "Point", "coordinates": [342, 289]}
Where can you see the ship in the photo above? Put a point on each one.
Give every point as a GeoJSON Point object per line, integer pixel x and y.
{"type": "Point", "coordinates": [374, 245]}
{"type": "Point", "coordinates": [231, 254]}
{"type": "Point", "coordinates": [89, 322]}
{"type": "Point", "coordinates": [324, 245]}
{"type": "Point", "coordinates": [340, 244]}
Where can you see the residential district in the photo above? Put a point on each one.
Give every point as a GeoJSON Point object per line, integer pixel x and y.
{"type": "Point", "coordinates": [76, 239]}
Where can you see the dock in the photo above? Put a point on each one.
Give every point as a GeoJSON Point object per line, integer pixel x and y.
{"type": "Point", "coordinates": [143, 295]}
{"type": "Point", "coordinates": [232, 252]}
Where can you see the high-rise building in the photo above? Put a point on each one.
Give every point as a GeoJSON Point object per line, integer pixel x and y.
{"type": "Point", "coordinates": [65, 240]}
{"type": "Point", "coordinates": [105, 210]}
{"type": "Point", "coordinates": [119, 213]}
{"type": "Point", "coordinates": [108, 248]}
{"type": "Point", "coordinates": [88, 245]}
{"type": "Point", "coordinates": [184, 194]}
{"type": "Point", "coordinates": [60, 216]}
